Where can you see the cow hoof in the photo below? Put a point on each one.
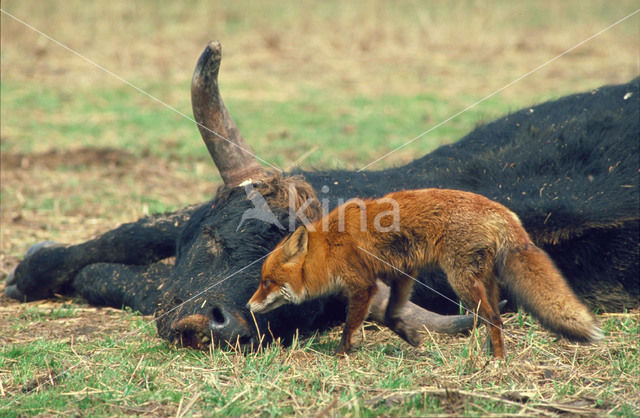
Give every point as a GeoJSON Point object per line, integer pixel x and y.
{"type": "Point", "coordinates": [29, 275]}
{"type": "Point", "coordinates": [13, 292]}
{"type": "Point", "coordinates": [407, 333]}
{"type": "Point", "coordinates": [413, 337]}
{"type": "Point", "coordinates": [11, 278]}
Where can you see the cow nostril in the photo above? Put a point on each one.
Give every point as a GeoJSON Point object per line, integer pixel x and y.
{"type": "Point", "coordinates": [229, 327]}
{"type": "Point", "coordinates": [218, 316]}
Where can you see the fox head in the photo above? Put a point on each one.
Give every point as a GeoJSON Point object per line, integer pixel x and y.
{"type": "Point", "coordinates": [282, 280]}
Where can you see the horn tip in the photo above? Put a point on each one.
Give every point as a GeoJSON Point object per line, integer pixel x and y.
{"type": "Point", "coordinates": [215, 47]}
{"type": "Point", "coordinates": [207, 66]}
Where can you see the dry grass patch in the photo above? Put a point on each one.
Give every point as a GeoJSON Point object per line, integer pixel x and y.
{"type": "Point", "coordinates": [109, 362]}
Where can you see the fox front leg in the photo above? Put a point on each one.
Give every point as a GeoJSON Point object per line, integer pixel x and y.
{"type": "Point", "coordinates": [358, 308]}
{"type": "Point", "coordinates": [398, 297]}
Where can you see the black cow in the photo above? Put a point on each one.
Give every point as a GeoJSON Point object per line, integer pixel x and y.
{"type": "Point", "coordinates": [569, 168]}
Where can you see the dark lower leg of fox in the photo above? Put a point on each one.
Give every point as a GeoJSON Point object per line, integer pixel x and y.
{"type": "Point", "coordinates": [487, 300]}
{"type": "Point", "coordinates": [358, 309]}
{"type": "Point", "coordinates": [398, 296]}
{"type": "Point", "coordinates": [470, 287]}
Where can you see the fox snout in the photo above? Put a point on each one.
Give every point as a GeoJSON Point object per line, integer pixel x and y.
{"type": "Point", "coordinates": [260, 303]}
{"type": "Point", "coordinates": [254, 307]}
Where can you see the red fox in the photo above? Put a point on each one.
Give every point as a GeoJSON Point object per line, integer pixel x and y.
{"type": "Point", "coordinates": [479, 244]}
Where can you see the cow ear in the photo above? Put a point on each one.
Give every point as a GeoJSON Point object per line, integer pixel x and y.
{"type": "Point", "coordinates": [296, 245]}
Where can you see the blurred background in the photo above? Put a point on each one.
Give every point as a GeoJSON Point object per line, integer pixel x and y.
{"type": "Point", "coordinates": [326, 84]}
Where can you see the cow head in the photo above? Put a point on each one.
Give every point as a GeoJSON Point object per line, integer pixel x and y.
{"type": "Point", "coordinates": [218, 260]}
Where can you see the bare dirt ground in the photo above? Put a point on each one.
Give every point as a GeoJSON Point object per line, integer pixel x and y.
{"type": "Point", "coordinates": [86, 322]}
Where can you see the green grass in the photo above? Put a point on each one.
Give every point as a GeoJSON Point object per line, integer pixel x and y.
{"type": "Point", "coordinates": [134, 372]}
{"type": "Point", "coordinates": [318, 122]}
{"type": "Point", "coordinates": [82, 117]}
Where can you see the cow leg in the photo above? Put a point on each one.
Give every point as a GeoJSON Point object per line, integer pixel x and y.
{"type": "Point", "coordinates": [118, 285]}
{"type": "Point", "coordinates": [51, 267]}
{"type": "Point", "coordinates": [416, 317]}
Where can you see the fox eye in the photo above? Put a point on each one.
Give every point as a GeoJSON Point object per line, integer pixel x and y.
{"type": "Point", "coordinates": [266, 283]}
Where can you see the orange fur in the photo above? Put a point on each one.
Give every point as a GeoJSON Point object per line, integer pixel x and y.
{"type": "Point", "coordinates": [479, 244]}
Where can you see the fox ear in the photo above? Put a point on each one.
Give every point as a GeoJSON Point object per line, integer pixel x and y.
{"type": "Point", "coordinates": [296, 245]}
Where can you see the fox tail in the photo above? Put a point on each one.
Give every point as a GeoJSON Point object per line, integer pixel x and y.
{"type": "Point", "coordinates": [538, 286]}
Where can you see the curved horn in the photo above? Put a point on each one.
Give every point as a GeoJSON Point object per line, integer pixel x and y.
{"type": "Point", "coordinates": [227, 147]}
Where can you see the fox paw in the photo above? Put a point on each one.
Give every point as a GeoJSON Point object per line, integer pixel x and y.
{"type": "Point", "coordinates": [342, 351]}
{"type": "Point", "coordinates": [407, 333]}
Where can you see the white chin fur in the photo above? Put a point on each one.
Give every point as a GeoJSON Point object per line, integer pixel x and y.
{"type": "Point", "coordinates": [290, 296]}
{"type": "Point", "coordinates": [271, 302]}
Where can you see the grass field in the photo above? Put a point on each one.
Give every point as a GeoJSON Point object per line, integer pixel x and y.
{"type": "Point", "coordinates": [310, 84]}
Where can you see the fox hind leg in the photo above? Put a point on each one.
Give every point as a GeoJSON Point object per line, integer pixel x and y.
{"type": "Point", "coordinates": [400, 291]}
{"type": "Point", "coordinates": [483, 295]}
{"type": "Point", "coordinates": [489, 298]}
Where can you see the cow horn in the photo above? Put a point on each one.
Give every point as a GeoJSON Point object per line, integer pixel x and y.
{"type": "Point", "coordinates": [233, 157]}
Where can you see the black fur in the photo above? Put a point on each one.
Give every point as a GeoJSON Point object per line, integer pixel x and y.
{"type": "Point", "coordinates": [569, 168]}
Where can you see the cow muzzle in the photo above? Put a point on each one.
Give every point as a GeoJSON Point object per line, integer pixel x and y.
{"type": "Point", "coordinates": [218, 326]}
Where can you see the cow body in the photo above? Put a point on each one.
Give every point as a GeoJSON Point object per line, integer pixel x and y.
{"type": "Point", "coordinates": [568, 168]}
